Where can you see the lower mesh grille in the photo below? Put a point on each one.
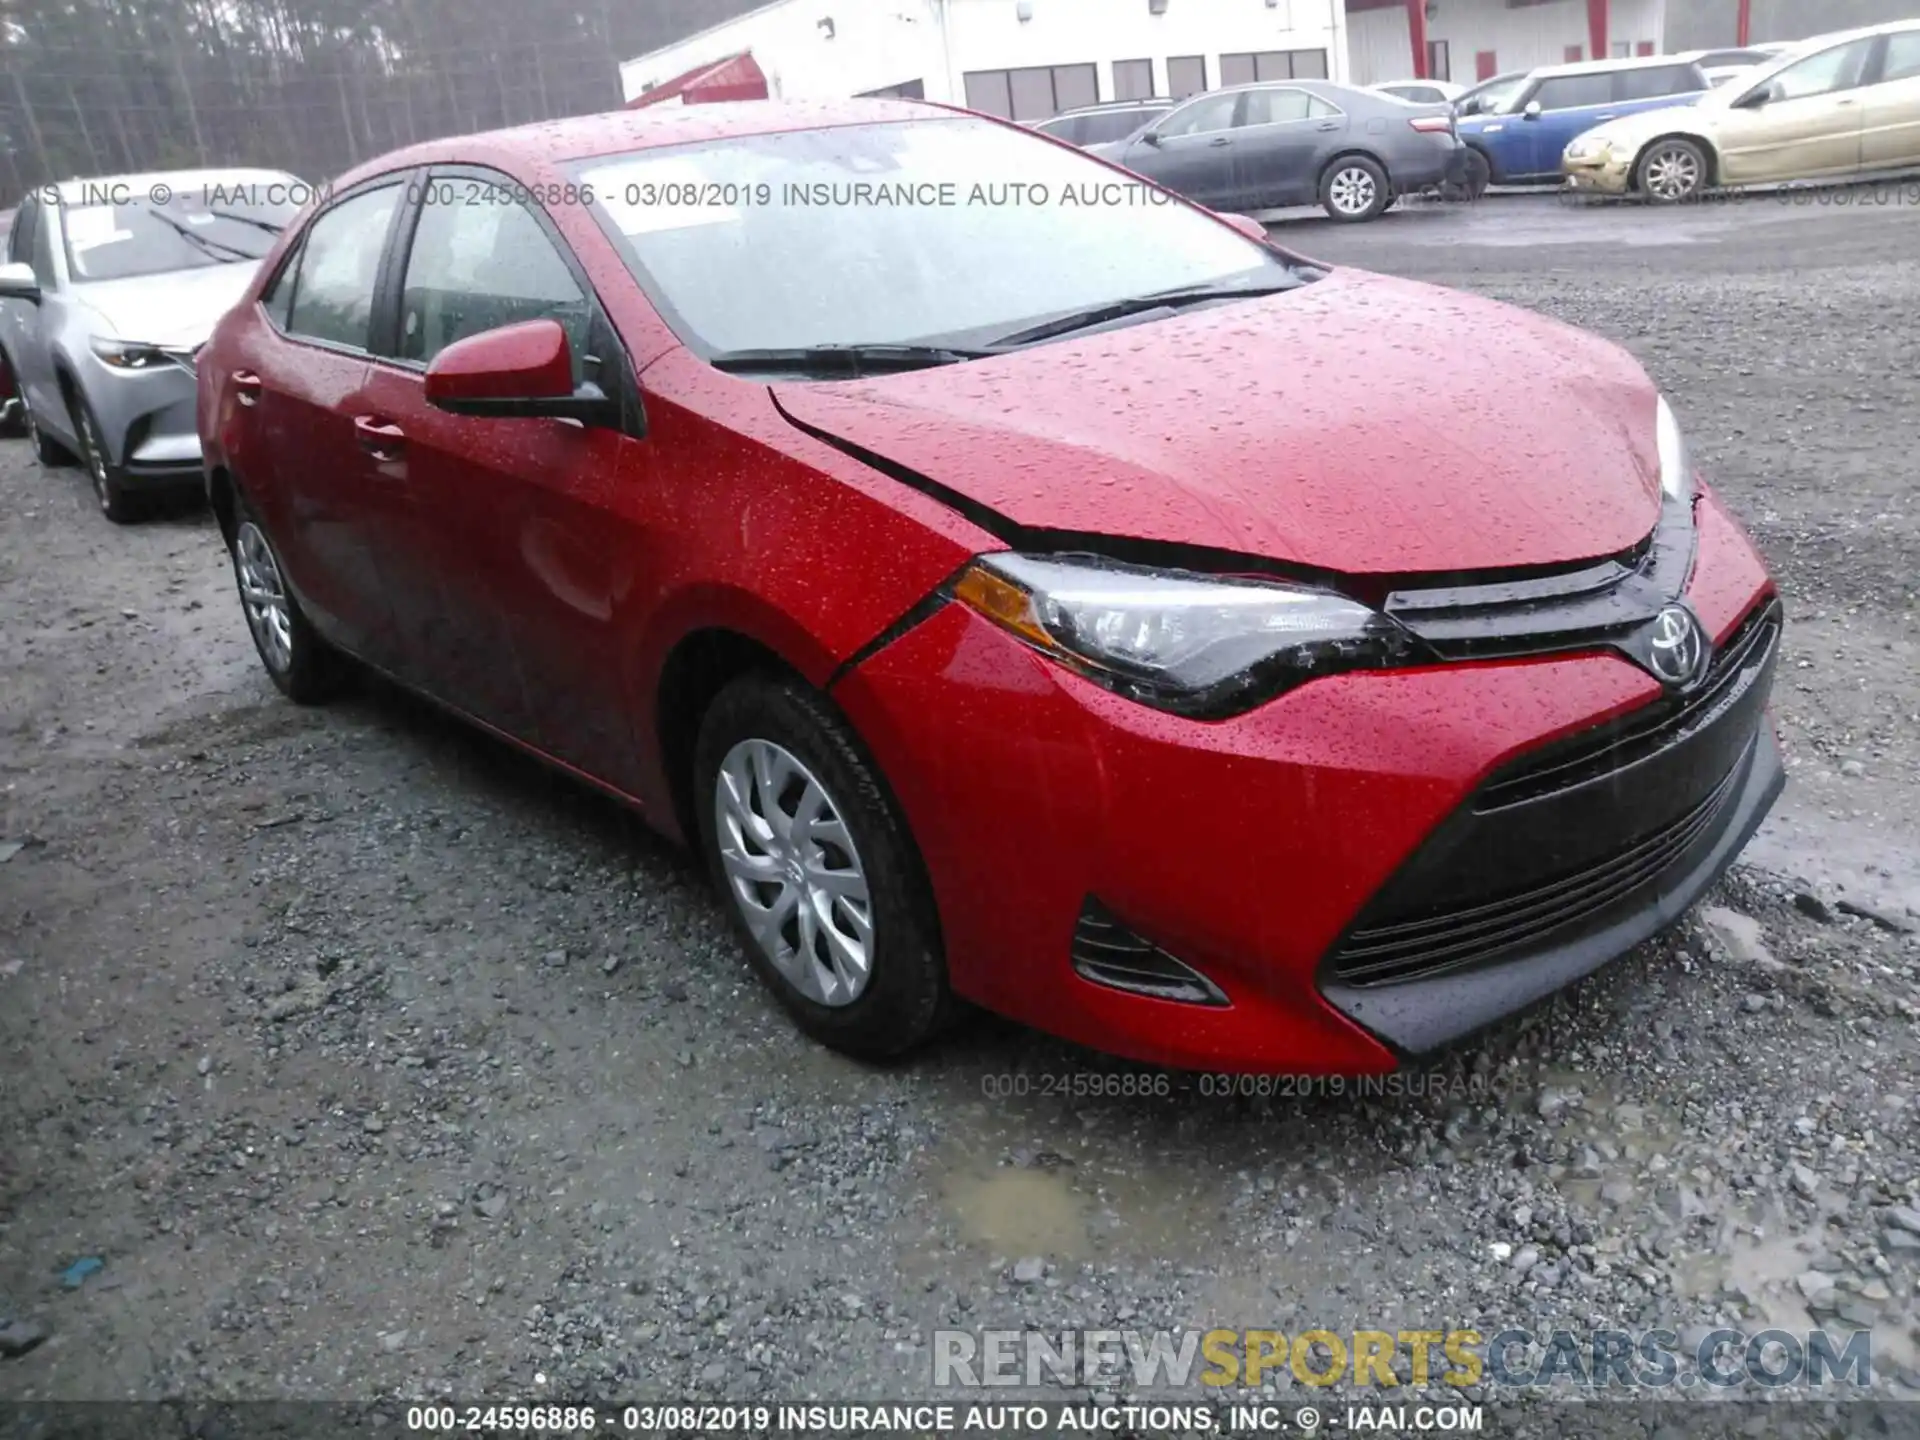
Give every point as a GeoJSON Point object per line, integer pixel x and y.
{"type": "Point", "coordinates": [1108, 953]}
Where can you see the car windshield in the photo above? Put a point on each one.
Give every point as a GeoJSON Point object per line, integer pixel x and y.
{"type": "Point", "coordinates": [899, 233]}
{"type": "Point", "coordinates": [210, 225]}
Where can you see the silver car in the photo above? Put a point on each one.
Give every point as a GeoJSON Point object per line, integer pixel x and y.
{"type": "Point", "coordinates": [109, 287]}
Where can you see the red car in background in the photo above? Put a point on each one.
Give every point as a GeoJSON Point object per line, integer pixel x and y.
{"type": "Point", "coordinates": [1048, 596]}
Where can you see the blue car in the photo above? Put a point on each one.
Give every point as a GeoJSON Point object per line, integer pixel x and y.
{"type": "Point", "coordinates": [1515, 136]}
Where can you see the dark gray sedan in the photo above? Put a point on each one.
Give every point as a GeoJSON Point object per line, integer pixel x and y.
{"type": "Point", "coordinates": [1297, 142]}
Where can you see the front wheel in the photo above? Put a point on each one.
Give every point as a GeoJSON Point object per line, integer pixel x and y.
{"type": "Point", "coordinates": [817, 871]}
{"type": "Point", "coordinates": [1671, 171]}
{"type": "Point", "coordinates": [303, 666]}
{"type": "Point", "coordinates": [109, 485]}
{"type": "Point", "coordinates": [1354, 188]}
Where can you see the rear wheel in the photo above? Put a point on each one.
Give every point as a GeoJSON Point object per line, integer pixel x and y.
{"type": "Point", "coordinates": [1671, 171]}
{"type": "Point", "coordinates": [1354, 188]}
{"type": "Point", "coordinates": [116, 502]}
{"type": "Point", "coordinates": [817, 871]}
{"type": "Point", "coordinates": [1479, 174]}
{"type": "Point", "coordinates": [306, 669]}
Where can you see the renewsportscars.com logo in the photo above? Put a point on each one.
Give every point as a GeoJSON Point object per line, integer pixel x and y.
{"type": "Point", "coordinates": [1157, 1360]}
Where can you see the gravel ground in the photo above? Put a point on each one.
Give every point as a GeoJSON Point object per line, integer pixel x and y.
{"type": "Point", "coordinates": [373, 1060]}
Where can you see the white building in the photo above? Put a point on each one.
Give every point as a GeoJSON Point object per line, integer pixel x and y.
{"type": "Point", "coordinates": [1026, 59]}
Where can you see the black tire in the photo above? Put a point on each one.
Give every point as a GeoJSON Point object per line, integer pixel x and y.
{"type": "Point", "coordinates": [110, 492]}
{"type": "Point", "coordinates": [1354, 188]}
{"type": "Point", "coordinates": [1671, 171]}
{"type": "Point", "coordinates": [47, 450]}
{"type": "Point", "coordinates": [311, 672]}
{"type": "Point", "coordinates": [13, 409]}
{"type": "Point", "coordinates": [1479, 174]}
{"type": "Point", "coordinates": [905, 1000]}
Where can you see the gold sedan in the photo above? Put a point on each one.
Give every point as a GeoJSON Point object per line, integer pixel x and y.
{"type": "Point", "coordinates": [1832, 107]}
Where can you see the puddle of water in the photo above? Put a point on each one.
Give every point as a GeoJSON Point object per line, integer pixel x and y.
{"type": "Point", "coordinates": [1019, 1212]}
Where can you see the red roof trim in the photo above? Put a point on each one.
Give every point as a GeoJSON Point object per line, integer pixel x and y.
{"type": "Point", "coordinates": [738, 77]}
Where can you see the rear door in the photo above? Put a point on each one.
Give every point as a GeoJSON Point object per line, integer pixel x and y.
{"type": "Point", "coordinates": [1805, 122]}
{"type": "Point", "coordinates": [1282, 135]}
{"type": "Point", "coordinates": [1193, 151]}
{"type": "Point", "coordinates": [300, 385]}
{"type": "Point", "coordinates": [1890, 127]}
{"type": "Point", "coordinates": [518, 521]}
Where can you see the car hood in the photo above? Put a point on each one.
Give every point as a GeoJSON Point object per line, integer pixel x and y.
{"type": "Point", "coordinates": [1360, 424]}
{"type": "Point", "coordinates": [177, 308]}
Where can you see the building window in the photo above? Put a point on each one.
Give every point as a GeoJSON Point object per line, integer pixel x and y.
{"type": "Point", "coordinates": [1133, 79]}
{"type": "Point", "coordinates": [1186, 75]}
{"type": "Point", "coordinates": [1247, 68]}
{"type": "Point", "coordinates": [1033, 94]}
{"type": "Point", "coordinates": [905, 90]}
{"type": "Point", "coordinates": [1439, 61]}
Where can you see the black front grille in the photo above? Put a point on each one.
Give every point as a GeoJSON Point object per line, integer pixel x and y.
{"type": "Point", "coordinates": [1608, 748]}
{"type": "Point", "coordinates": [1569, 838]}
{"type": "Point", "coordinates": [1107, 952]}
{"type": "Point", "coordinates": [1445, 942]}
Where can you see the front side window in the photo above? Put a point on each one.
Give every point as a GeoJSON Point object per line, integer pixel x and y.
{"type": "Point", "coordinates": [1903, 57]}
{"type": "Point", "coordinates": [1102, 127]}
{"type": "Point", "coordinates": [1202, 117]}
{"type": "Point", "coordinates": [1831, 70]}
{"type": "Point", "coordinates": [480, 260]}
{"type": "Point", "coordinates": [339, 268]}
{"type": "Point", "coordinates": [981, 228]}
{"type": "Point", "coordinates": [191, 230]}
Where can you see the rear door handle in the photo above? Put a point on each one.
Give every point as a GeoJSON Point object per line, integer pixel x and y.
{"type": "Point", "coordinates": [1607, 117]}
{"type": "Point", "coordinates": [246, 387]}
{"type": "Point", "coordinates": [381, 439]}
{"type": "Point", "coordinates": [1216, 144]}
{"type": "Point", "coordinates": [1328, 125]}
{"type": "Point", "coordinates": [1847, 100]}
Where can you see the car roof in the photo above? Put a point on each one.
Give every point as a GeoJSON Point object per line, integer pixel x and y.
{"type": "Point", "coordinates": [652, 127]}
{"type": "Point", "coordinates": [1607, 67]}
{"type": "Point", "coordinates": [75, 191]}
{"type": "Point", "coordinates": [1151, 103]}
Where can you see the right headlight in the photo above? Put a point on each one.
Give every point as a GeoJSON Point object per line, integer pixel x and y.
{"type": "Point", "coordinates": [1195, 644]}
{"type": "Point", "coordinates": [1589, 147]}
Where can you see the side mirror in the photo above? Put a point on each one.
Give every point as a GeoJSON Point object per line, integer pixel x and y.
{"type": "Point", "coordinates": [518, 371]}
{"type": "Point", "coordinates": [1150, 137]}
{"type": "Point", "coordinates": [1247, 226]}
{"type": "Point", "coordinates": [1532, 112]}
{"type": "Point", "coordinates": [17, 283]}
{"type": "Point", "coordinates": [1755, 99]}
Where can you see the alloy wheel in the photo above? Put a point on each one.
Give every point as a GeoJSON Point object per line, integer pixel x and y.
{"type": "Point", "coordinates": [94, 457]}
{"type": "Point", "coordinates": [1673, 173]}
{"type": "Point", "coordinates": [793, 872]}
{"type": "Point", "coordinates": [263, 594]}
{"type": "Point", "coordinates": [1352, 191]}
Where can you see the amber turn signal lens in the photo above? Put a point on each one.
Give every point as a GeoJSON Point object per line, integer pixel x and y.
{"type": "Point", "coordinates": [1002, 602]}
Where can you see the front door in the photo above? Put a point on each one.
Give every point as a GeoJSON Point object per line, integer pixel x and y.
{"type": "Point", "coordinates": [520, 549]}
{"type": "Point", "coordinates": [1890, 130]}
{"type": "Point", "coordinates": [1803, 123]}
{"type": "Point", "coordinates": [1194, 151]}
{"type": "Point", "coordinates": [1570, 105]}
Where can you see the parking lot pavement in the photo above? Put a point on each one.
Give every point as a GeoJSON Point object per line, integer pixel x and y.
{"type": "Point", "coordinates": [373, 1060]}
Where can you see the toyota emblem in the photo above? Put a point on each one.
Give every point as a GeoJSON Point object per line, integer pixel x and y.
{"type": "Point", "coordinates": [1676, 646]}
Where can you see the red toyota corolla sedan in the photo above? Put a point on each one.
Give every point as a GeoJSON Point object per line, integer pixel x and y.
{"type": "Point", "coordinates": [1024, 587]}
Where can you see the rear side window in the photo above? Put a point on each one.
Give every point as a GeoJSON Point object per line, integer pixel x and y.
{"type": "Point", "coordinates": [1273, 107]}
{"type": "Point", "coordinates": [339, 267]}
{"type": "Point", "coordinates": [1571, 92]}
{"type": "Point", "coordinates": [1655, 81]}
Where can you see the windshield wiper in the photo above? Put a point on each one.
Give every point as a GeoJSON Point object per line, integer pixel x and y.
{"type": "Point", "coordinates": [211, 247]}
{"type": "Point", "coordinates": [254, 220]}
{"type": "Point", "coordinates": [1138, 305]}
{"type": "Point", "coordinates": [853, 359]}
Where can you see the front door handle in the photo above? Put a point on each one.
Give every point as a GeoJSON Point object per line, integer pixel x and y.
{"type": "Point", "coordinates": [1328, 125]}
{"type": "Point", "coordinates": [246, 387]}
{"type": "Point", "coordinates": [1216, 144]}
{"type": "Point", "coordinates": [1846, 100]}
{"type": "Point", "coordinates": [381, 439]}
{"type": "Point", "coordinates": [1607, 117]}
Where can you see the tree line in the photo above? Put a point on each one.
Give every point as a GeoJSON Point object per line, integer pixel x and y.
{"type": "Point", "coordinates": [95, 87]}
